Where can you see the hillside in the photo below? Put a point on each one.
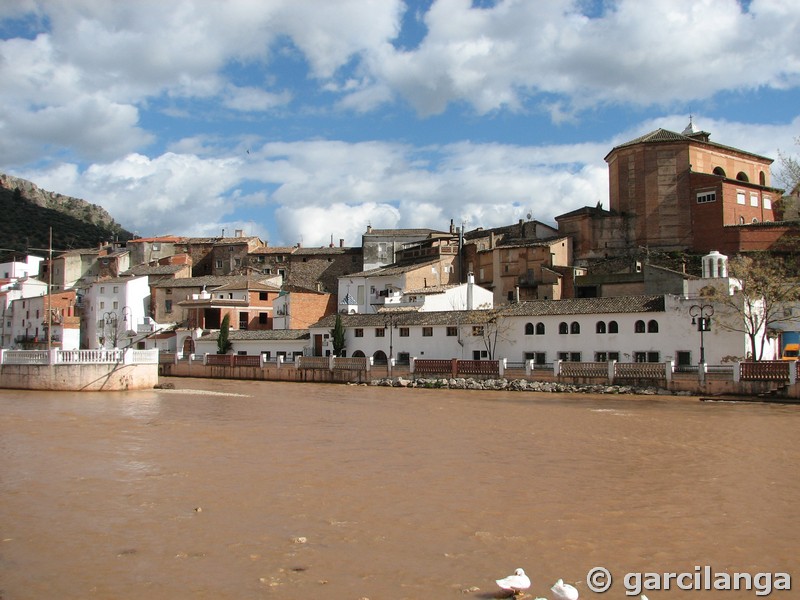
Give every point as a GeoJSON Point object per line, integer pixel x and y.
{"type": "Point", "coordinates": [29, 212]}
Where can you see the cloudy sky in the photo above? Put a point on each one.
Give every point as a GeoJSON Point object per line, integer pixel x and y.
{"type": "Point", "coordinates": [307, 120]}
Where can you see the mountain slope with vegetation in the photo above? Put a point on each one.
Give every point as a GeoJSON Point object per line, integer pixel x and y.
{"type": "Point", "coordinates": [29, 212]}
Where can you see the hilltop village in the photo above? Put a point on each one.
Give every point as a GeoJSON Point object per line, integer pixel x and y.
{"type": "Point", "coordinates": [598, 284]}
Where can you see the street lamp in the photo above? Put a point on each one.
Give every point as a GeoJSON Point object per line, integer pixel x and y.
{"type": "Point", "coordinates": [701, 316]}
{"type": "Point", "coordinates": [127, 322]}
{"type": "Point", "coordinates": [389, 324]}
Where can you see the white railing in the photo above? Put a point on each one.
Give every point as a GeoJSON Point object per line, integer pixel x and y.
{"type": "Point", "coordinates": [129, 356]}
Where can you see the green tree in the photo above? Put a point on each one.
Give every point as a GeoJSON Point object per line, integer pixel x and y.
{"type": "Point", "coordinates": [338, 336]}
{"type": "Point", "coordinates": [224, 345]}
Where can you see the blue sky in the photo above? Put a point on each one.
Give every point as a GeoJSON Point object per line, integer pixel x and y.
{"type": "Point", "coordinates": [307, 120]}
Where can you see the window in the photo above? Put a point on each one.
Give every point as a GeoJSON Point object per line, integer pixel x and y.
{"type": "Point", "coordinates": [563, 356]}
{"type": "Point", "coordinates": [403, 358]}
{"type": "Point", "coordinates": [452, 331]}
{"type": "Point", "coordinates": [640, 357]}
{"type": "Point", "coordinates": [167, 306]}
{"type": "Point", "coordinates": [115, 305]}
{"type": "Point", "coordinates": [263, 295]}
{"type": "Point", "coordinates": [266, 354]}
{"type": "Point", "coordinates": [575, 357]}
{"type": "Point", "coordinates": [510, 296]}
{"type": "Point", "coordinates": [528, 328]}
{"type": "Point", "coordinates": [380, 332]}
{"type": "Point", "coordinates": [538, 358]}
{"type": "Point", "coordinates": [477, 330]}
{"type": "Point", "coordinates": [613, 356]}
{"type": "Point", "coordinates": [563, 328]}
{"type": "Point", "coordinates": [767, 203]}
{"type": "Point", "coordinates": [219, 263]}
{"type": "Point", "coordinates": [244, 319]}
{"type": "Point", "coordinates": [704, 197]}
{"type": "Point", "coordinates": [358, 332]}
{"type": "Point", "coordinates": [404, 332]}
{"type": "Point", "coordinates": [613, 327]}
{"type": "Point", "coordinates": [652, 326]}
{"type": "Point", "coordinates": [427, 332]}
{"type": "Point", "coordinates": [103, 304]}
{"type": "Point", "coordinates": [169, 291]}
{"type": "Point", "coordinates": [116, 289]}
{"type": "Point", "coordinates": [639, 327]}
{"type": "Point", "coordinates": [653, 357]}
{"type": "Point", "coordinates": [600, 327]}
{"type": "Point", "coordinates": [237, 262]}
{"type": "Point", "coordinates": [754, 200]}
{"type": "Point", "coordinates": [540, 329]}
{"type": "Point", "coordinates": [600, 356]}
{"type": "Point", "coordinates": [262, 318]}
{"type": "Point", "coordinates": [740, 198]}
{"type": "Point", "coordinates": [102, 289]}
{"type": "Point", "coordinates": [156, 246]}
{"type": "Point", "coordinates": [575, 327]}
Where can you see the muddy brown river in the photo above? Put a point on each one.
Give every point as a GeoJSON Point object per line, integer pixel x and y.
{"type": "Point", "coordinates": [239, 490]}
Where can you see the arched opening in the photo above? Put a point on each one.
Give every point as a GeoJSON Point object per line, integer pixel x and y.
{"type": "Point", "coordinates": [652, 326]}
{"type": "Point", "coordinates": [742, 176]}
{"type": "Point", "coordinates": [540, 329]}
{"type": "Point", "coordinates": [639, 327]}
{"type": "Point", "coordinates": [719, 171]}
{"type": "Point", "coordinates": [563, 328]}
{"type": "Point", "coordinates": [379, 358]}
{"type": "Point", "coordinates": [358, 354]}
{"type": "Point", "coordinates": [188, 345]}
{"type": "Point", "coordinates": [575, 327]}
{"type": "Point", "coordinates": [600, 327]}
{"type": "Point", "coordinates": [613, 327]}
{"type": "Point", "coordinates": [528, 328]}
{"type": "Point", "coordinates": [762, 178]}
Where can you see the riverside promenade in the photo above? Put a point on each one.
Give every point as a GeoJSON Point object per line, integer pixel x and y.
{"type": "Point", "coordinates": [775, 380]}
{"type": "Point", "coordinates": [79, 370]}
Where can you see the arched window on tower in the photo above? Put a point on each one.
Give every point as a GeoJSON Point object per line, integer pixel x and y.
{"type": "Point", "coordinates": [719, 171]}
{"type": "Point", "coordinates": [742, 176]}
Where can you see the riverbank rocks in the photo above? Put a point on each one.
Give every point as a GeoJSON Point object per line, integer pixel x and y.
{"type": "Point", "coordinates": [517, 385]}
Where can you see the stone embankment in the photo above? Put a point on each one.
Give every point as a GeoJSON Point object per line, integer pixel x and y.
{"type": "Point", "coordinates": [521, 385]}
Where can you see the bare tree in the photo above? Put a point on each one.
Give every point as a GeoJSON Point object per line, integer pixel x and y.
{"type": "Point", "coordinates": [493, 330]}
{"type": "Point", "coordinates": [762, 294]}
{"type": "Point", "coordinates": [789, 172]}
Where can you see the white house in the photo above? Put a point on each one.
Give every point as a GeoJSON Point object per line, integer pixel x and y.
{"type": "Point", "coordinates": [32, 318]}
{"type": "Point", "coordinates": [626, 328]}
{"type": "Point", "coordinates": [26, 287]}
{"type": "Point", "coordinates": [271, 343]}
{"type": "Point", "coordinates": [369, 291]}
{"type": "Point", "coordinates": [112, 311]}
{"type": "Point", "coordinates": [18, 269]}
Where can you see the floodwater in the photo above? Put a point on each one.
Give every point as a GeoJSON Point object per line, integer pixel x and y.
{"type": "Point", "coordinates": [239, 490]}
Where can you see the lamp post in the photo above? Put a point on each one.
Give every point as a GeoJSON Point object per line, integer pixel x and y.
{"type": "Point", "coordinates": [389, 324]}
{"type": "Point", "coordinates": [127, 322]}
{"type": "Point", "coordinates": [701, 316]}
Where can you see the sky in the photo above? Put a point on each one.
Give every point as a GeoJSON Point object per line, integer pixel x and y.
{"type": "Point", "coordinates": [305, 121]}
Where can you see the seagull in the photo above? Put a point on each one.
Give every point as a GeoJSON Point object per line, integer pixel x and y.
{"type": "Point", "coordinates": [516, 582]}
{"type": "Point", "coordinates": [564, 591]}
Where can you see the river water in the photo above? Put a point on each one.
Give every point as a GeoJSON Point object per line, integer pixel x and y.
{"type": "Point", "coordinates": [239, 489]}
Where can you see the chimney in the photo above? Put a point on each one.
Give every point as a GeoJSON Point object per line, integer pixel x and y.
{"type": "Point", "coordinates": [452, 227]}
{"type": "Point", "coordinates": [369, 228]}
{"type": "Point", "coordinates": [516, 294]}
{"type": "Point", "coordinates": [470, 290]}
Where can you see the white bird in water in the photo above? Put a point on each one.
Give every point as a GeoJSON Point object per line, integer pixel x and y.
{"type": "Point", "coordinates": [564, 591]}
{"type": "Point", "coordinates": [516, 582]}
